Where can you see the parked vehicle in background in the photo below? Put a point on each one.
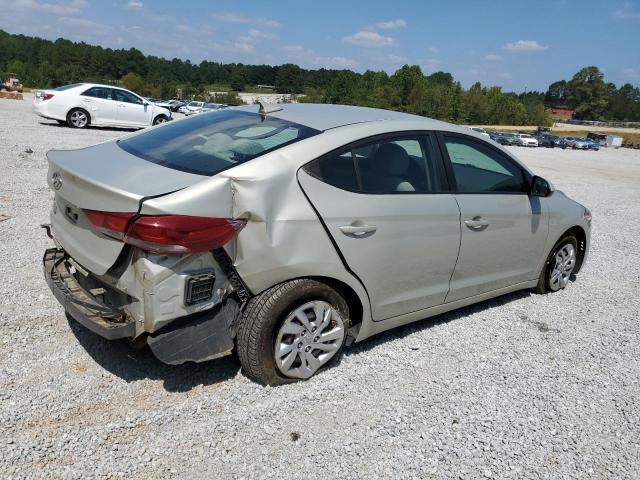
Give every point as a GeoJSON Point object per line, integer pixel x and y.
{"type": "Point", "coordinates": [544, 141]}
{"type": "Point", "coordinates": [577, 143]}
{"type": "Point", "coordinates": [172, 105]}
{"type": "Point", "coordinates": [82, 104]}
{"type": "Point", "coordinates": [606, 140]}
{"type": "Point", "coordinates": [495, 136]}
{"type": "Point", "coordinates": [543, 131]}
{"type": "Point", "coordinates": [506, 138]}
{"type": "Point", "coordinates": [285, 232]}
{"type": "Point", "coordinates": [208, 107]}
{"type": "Point", "coordinates": [481, 131]}
{"type": "Point", "coordinates": [191, 108]}
{"type": "Point", "coordinates": [525, 140]}
{"type": "Point", "coordinates": [558, 141]}
{"type": "Point", "coordinates": [11, 84]}
{"type": "Point", "coordinates": [593, 144]}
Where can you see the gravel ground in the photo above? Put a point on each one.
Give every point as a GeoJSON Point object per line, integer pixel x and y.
{"type": "Point", "coordinates": [523, 386]}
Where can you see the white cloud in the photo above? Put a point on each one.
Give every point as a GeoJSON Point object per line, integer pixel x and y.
{"type": "Point", "coordinates": [134, 5]}
{"type": "Point", "coordinates": [433, 50]}
{"type": "Point", "coordinates": [72, 7]}
{"type": "Point", "coordinates": [369, 39]}
{"type": "Point", "coordinates": [240, 18]}
{"type": "Point", "coordinates": [632, 73]}
{"type": "Point", "coordinates": [244, 47]}
{"type": "Point", "coordinates": [309, 57]}
{"type": "Point", "coordinates": [261, 34]}
{"type": "Point", "coordinates": [492, 57]}
{"type": "Point", "coordinates": [524, 46]}
{"type": "Point", "coordinates": [430, 64]}
{"type": "Point", "coordinates": [391, 24]}
{"type": "Point", "coordinates": [627, 11]}
{"type": "Point", "coordinates": [84, 25]}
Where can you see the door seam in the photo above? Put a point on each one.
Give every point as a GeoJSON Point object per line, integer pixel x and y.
{"type": "Point", "coordinates": [459, 248]}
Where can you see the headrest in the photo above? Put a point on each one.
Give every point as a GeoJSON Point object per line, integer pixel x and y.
{"type": "Point", "coordinates": [391, 159]}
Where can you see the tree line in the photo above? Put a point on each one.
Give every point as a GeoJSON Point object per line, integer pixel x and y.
{"type": "Point", "coordinates": [43, 63]}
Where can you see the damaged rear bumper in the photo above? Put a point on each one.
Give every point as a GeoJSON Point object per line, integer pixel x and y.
{"type": "Point", "coordinates": [102, 319]}
{"type": "Point", "coordinates": [194, 338]}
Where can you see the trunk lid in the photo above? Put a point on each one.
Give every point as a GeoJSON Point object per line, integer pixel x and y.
{"type": "Point", "coordinates": [105, 178]}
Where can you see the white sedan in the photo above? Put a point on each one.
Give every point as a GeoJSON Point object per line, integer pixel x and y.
{"type": "Point", "coordinates": [525, 140]}
{"type": "Point", "coordinates": [82, 104]}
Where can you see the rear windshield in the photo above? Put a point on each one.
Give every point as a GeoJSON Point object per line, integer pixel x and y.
{"type": "Point", "coordinates": [209, 143]}
{"type": "Point", "coordinates": [67, 87]}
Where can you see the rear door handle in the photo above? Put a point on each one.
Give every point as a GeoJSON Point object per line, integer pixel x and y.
{"type": "Point", "coordinates": [357, 230]}
{"type": "Point", "coordinates": [476, 223]}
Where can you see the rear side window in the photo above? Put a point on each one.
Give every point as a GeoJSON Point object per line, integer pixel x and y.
{"type": "Point", "coordinates": [480, 169]}
{"type": "Point", "coordinates": [209, 143]}
{"type": "Point", "coordinates": [98, 92]}
{"type": "Point", "coordinates": [385, 166]}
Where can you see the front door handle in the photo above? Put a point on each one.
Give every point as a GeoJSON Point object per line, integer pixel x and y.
{"type": "Point", "coordinates": [357, 230]}
{"type": "Point", "coordinates": [476, 223]}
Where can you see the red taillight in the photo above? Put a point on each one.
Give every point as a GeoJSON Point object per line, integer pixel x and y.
{"type": "Point", "coordinates": [169, 234]}
{"type": "Point", "coordinates": [46, 96]}
{"type": "Point", "coordinates": [111, 224]}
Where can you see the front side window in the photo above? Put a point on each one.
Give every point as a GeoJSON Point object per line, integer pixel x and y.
{"type": "Point", "coordinates": [400, 165]}
{"type": "Point", "coordinates": [126, 97]}
{"type": "Point", "coordinates": [98, 92]}
{"type": "Point", "coordinates": [480, 169]}
{"type": "Point", "coordinates": [209, 143]}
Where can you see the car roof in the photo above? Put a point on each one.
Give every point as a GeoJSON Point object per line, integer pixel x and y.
{"type": "Point", "coordinates": [325, 116]}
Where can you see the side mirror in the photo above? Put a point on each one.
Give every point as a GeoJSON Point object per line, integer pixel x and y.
{"type": "Point", "coordinates": [540, 187]}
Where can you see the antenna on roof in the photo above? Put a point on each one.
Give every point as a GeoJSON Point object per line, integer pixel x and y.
{"type": "Point", "coordinates": [267, 107]}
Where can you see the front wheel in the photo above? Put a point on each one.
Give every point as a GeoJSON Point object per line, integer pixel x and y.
{"type": "Point", "coordinates": [292, 331]}
{"type": "Point", "coordinates": [160, 119]}
{"type": "Point", "coordinates": [559, 266]}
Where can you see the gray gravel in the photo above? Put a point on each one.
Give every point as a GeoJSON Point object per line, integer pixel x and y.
{"type": "Point", "coordinates": [524, 386]}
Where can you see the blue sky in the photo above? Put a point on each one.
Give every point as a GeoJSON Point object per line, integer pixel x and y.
{"type": "Point", "coordinates": [508, 43]}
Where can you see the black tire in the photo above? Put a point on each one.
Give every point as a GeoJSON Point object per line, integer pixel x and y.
{"type": "Point", "coordinates": [160, 119]}
{"type": "Point", "coordinates": [74, 124]}
{"type": "Point", "coordinates": [543, 280]}
{"type": "Point", "coordinates": [63, 122]}
{"type": "Point", "coordinates": [262, 318]}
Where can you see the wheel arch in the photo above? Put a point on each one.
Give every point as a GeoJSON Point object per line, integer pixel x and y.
{"type": "Point", "coordinates": [581, 236]}
{"type": "Point", "coordinates": [354, 302]}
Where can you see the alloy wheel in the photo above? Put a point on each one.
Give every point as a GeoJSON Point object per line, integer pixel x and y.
{"type": "Point", "coordinates": [79, 119]}
{"type": "Point", "coordinates": [565, 261]}
{"type": "Point", "coordinates": [309, 337]}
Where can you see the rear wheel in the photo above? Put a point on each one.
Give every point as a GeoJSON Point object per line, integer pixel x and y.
{"type": "Point", "coordinates": [78, 118]}
{"type": "Point", "coordinates": [292, 331]}
{"type": "Point", "coordinates": [559, 266]}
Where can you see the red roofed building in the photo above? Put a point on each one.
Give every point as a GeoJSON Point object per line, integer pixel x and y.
{"type": "Point", "coordinates": [560, 113]}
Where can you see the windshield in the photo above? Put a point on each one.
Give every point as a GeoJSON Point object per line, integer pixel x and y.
{"type": "Point", "coordinates": [209, 143]}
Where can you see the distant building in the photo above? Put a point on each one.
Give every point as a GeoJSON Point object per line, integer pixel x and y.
{"type": "Point", "coordinates": [560, 113]}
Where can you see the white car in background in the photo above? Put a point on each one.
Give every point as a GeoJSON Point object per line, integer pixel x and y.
{"type": "Point", "coordinates": [192, 108]}
{"type": "Point", "coordinates": [525, 140]}
{"type": "Point", "coordinates": [82, 104]}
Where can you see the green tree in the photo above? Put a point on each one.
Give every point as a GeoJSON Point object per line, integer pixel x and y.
{"type": "Point", "coordinates": [289, 79]}
{"type": "Point", "coordinates": [133, 81]}
{"type": "Point", "coordinates": [587, 93]}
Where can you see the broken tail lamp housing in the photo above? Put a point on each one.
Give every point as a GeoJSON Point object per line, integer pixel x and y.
{"type": "Point", "coordinates": [166, 234]}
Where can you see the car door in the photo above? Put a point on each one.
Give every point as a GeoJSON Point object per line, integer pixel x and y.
{"type": "Point", "coordinates": [384, 205]}
{"type": "Point", "coordinates": [131, 109]}
{"type": "Point", "coordinates": [97, 101]}
{"type": "Point", "coordinates": [503, 228]}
